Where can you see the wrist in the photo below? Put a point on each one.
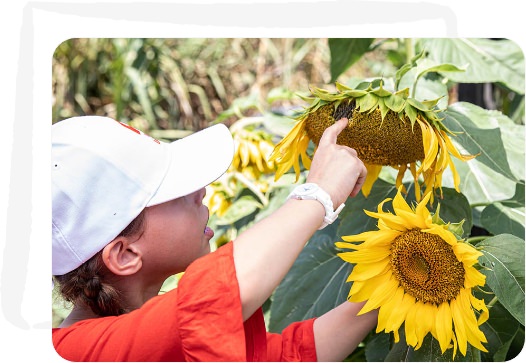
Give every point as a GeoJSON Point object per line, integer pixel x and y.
{"type": "Point", "coordinates": [312, 191]}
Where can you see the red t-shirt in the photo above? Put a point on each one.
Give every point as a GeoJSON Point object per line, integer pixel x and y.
{"type": "Point", "coordinates": [200, 320]}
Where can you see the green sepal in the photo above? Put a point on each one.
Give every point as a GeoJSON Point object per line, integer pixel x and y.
{"type": "Point", "coordinates": [367, 102]}
{"type": "Point", "coordinates": [383, 108]}
{"type": "Point", "coordinates": [410, 112]}
{"type": "Point", "coordinates": [455, 228]}
{"type": "Point", "coordinates": [395, 102]}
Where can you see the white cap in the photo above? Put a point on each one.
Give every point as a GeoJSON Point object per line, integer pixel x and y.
{"type": "Point", "coordinates": [104, 173]}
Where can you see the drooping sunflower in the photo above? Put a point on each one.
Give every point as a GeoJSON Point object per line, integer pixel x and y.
{"type": "Point", "coordinates": [385, 129]}
{"type": "Point", "coordinates": [417, 272]}
{"type": "Point", "coordinates": [252, 150]}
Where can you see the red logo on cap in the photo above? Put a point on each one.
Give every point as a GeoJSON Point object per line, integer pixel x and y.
{"type": "Point", "coordinates": [138, 131]}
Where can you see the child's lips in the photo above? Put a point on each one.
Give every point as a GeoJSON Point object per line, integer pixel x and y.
{"type": "Point", "coordinates": [209, 232]}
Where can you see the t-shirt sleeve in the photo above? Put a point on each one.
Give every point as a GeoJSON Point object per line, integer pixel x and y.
{"type": "Point", "coordinates": [294, 344]}
{"type": "Point", "coordinates": [200, 320]}
{"type": "Point", "coordinates": [210, 319]}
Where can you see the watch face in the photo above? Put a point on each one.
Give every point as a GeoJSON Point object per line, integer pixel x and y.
{"type": "Point", "coordinates": [307, 189]}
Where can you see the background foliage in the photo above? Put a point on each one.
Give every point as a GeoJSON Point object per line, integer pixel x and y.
{"type": "Point", "coordinates": [172, 87]}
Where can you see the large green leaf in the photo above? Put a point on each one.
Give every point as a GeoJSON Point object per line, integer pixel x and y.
{"type": "Point", "coordinates": [488, 60]}
{"type": "Point", "coordinates": [315, 284]}
{"type": "Point", "coordinates": [503, 263]}
{"type": "Point", "coordinates": [506, 216]}
{"type": "Point", "coordinates": [477, 133]}
{"type": "Point", "coordinates": [500, 330]}
{"type": "Point", "coordinates": [353, 218]}
{"type": "Point", "coordinates": [479, 183]}
{"type": "Point", "coordinates": [345, 52]}
{"type": "Point", "coordinates": [497, 218]}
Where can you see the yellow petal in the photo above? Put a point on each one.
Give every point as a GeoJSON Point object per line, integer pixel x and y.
{"type": "Point", "coordinates": [460, 329]}
{"type": "Point", "coordinates": [430, 145]}
{"type": "Point", "coordinates": [366, 271]}
{"type": "Point", "coordinates": [426, 314]}
{"type": "Point", "coordinates": [391, 307]}
{"type": "Point", "coordinates": [389, 219]}
{"type": "Point", "coordinates": [399, 203]}
{"type": "Point", "coordinates": [400, 177]}
{"type": "Point", "coordinates": [444, 326]}
{"type": "Point", "coordinates": [359, 237]}
{"type": "Point", "coordinates": [380, 295]}
{"type": "Point", "coordinates": [473, 278]}
{"type": "Point", "coordinates": [411, 322]}
{"type": "Point", "coordinates": [372, 174]}
{"type": "Point", "coordinates": [480, 305]}
{"type": "Point", "coordinates": [421, 209]}
{"type": "Point", "coordinates": [442, 233]}
{"type": "Point", "coordinates": [474, 335]}
{"type": "Point", "coordinates": [452, 149]}
{"type": "Point", "coordinates": [398, 317]}
{"type": "Point", "coordinates": [365, 256]}
{"type": "Point", "coordinates": [382, 238]}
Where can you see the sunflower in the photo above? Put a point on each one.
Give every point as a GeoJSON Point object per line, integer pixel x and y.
{"type": "Point", "coordinates": [415, 271]}
{"type": "Point", "coordinates": [220, 195]}
{"type": "Point", "coordinates": [385, 129]}
{"type": "Point", "coordinates": [252, 150]}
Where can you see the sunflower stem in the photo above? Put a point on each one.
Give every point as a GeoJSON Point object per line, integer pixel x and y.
{"type": "Point", "coordinates": [244, 122]}
{"type": "Point", "coordinates": [243, 179]}
{"type": "Point", "coordinates": [481, 204]}
{"type": "Point", "coordinates": [476, 239]}
{"type": "Point", "coordinates": [492, 302]}
{"type": "Point", "coordinates": [409, 49]}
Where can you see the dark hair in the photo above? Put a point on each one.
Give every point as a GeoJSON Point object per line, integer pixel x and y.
{"type": "Point", "coordinates": [88, 284]}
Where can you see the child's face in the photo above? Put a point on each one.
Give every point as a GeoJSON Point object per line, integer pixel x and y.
{"type": "Point", "coordinates": [175, 235]}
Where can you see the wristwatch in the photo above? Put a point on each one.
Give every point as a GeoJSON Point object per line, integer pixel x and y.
{"type": "Point", "coordinates": [311, 191]}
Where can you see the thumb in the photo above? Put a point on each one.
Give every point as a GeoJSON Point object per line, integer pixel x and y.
{"type": "Point", "coordinates": [331, 133]}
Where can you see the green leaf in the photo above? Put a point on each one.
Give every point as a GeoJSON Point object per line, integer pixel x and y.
{"type": "Point", "coordinates": [353, 218]}
{"type": "Point", "coordinates": [315, 284]}
{"type": "Point", "coordinates": [406, 68]}
{"type": "Point", "coordinates": [500, 330]}
{"type": "Point", "coordinates": [497, 218]}
{"type": "Point", "coordinates": [345, 52]}
{"type": "Point", "coordinates": [503, 260]}
{"type": "Point", "coordinates": [489, 60]}
{"type": "Point", "coordinates": [518, 199]}
{"type": "Point", "coordinates": [467, 120]}
{"type": "Point", "coordinates": [241, 208]}
{"type": "Point", "coordinates": [440, 68]}
{"type": "Point", "coordinates": [377, 348]}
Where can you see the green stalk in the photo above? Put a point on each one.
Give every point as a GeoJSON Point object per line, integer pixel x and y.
{"type": "Point", "coordinates": [239, 176]}
{"type": "Point", "coordinates": [409, 49]}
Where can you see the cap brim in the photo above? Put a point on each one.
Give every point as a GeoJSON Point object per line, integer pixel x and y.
{"type": "Point", "coordinates": [196, 161]}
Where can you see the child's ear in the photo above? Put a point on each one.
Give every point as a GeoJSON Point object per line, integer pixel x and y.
{"type": "Point", "coordinates": [122, 257]}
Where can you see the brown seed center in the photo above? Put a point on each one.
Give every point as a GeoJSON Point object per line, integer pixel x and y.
{"type": "Point", "coordinates": [390, 141]}
{"type": "Point", "coordinates": [426, 266]}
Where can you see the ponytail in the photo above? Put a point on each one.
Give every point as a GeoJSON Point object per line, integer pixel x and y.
{"type": "Point", "coordinates": [89, 283]}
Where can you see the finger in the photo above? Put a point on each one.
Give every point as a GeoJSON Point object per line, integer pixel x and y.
{"type": "Point", "coordinates": [360, 181]}
{"type": "Point", "coordinates": [331, 133]}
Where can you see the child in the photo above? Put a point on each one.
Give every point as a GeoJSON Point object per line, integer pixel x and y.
{"type": "Point", "coordinates": [128, 213]}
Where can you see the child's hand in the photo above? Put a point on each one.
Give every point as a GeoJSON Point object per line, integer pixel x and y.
{"type": "Point", "coordinates": [337, 168]}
